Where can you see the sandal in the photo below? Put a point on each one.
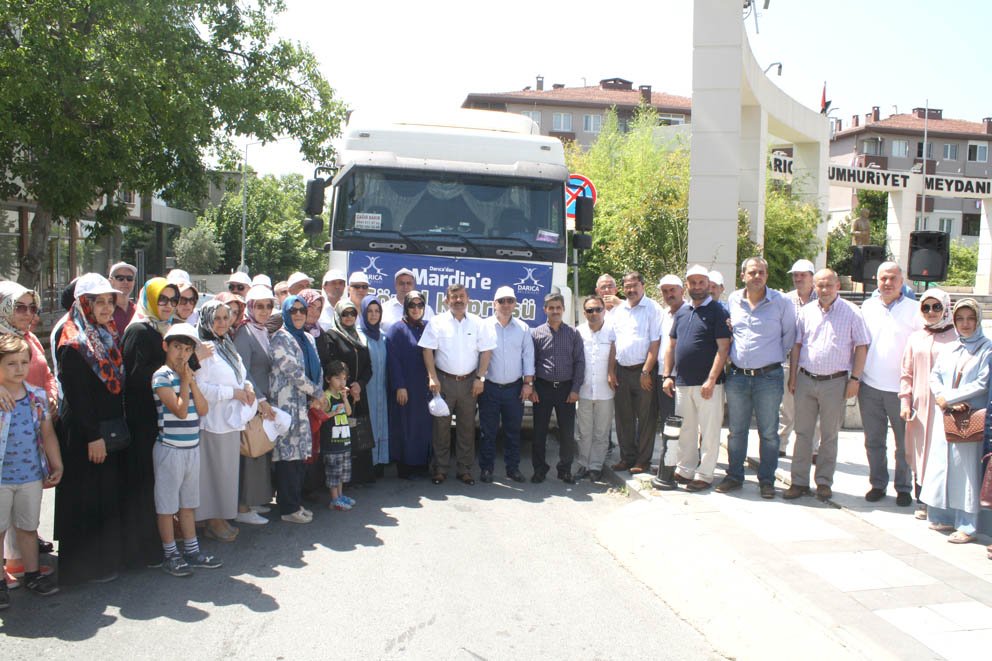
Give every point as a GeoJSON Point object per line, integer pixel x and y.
{"type": "Point", "coordinates": [210, 533]}
{"type": "Point", "coordinates": [941, 527]}
{"type": "Point", "coordinates": [961, 538]}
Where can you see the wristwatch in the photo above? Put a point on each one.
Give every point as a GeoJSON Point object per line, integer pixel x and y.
{"type": "Point", "coordinates": [480, 378]}
{"type": "Point", "coordinates": [855, 378]}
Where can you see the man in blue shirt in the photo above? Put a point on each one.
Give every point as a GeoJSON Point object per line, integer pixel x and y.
{"type": "Point", "coordinates": [763, 324]}
{"type": "Point", "coordinates": [509, 381]}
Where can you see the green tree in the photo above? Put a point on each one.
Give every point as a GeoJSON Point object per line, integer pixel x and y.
{"type": "Point", "coordinates": [642, 212]}
{"type": "Point", "coordinates": [839, 258]}
{"type": "Point", "coordinates": [275, 242]}
{"type": "Point", "coordinates": [963, 265]}
{"type": "Point", "coordinates": [197, 248]}
{"type": "Point", "coordinates": [104, 95]}
{"type": "Point", "coordinates": [790, 232]}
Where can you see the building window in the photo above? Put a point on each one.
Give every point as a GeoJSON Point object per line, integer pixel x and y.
{"type": "Point", "coordinates": [900, 148]}
{"type": "Point", "coordinates": [670, 119]}
{"type": "Point", "coordinates": [561, 121]}
{"type": "Point", "coordinates": [919, 150]}
{"type": "Point", "coordinates": [921, 223]}
{"type": "Point", "coordinates": [592, 123]}
{"type": "Point", "coordinates": [978, 152]}
{"type": "Point", "coordinates": [945, 225]}
{"type": "Point", "coordinates": [871, 147]}
{"type": "Point", "coordinates": [950, 152]}
{"type": "Point", "coordinates": [971, 224]}
{"type": "Point", "coordinates": [534, 115]}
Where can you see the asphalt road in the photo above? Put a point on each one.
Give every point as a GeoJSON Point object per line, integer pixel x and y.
{"type": "Point", "coordinates": [416, 571]}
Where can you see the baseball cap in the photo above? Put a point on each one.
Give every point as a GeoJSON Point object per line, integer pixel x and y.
{"type": "Point", "coordinates": [177, 276]}
{"type": "Point", "coordinates": [93, 284]}
{"type": "Point", "coordinates": [669, 280]}
{"type": "Point", "coordinates": [358, 278]}
{"type": "Point", "coordinates": [240, 278]}
{"type": "Point", "coordinates": [716, 277]}
{"type": "Point", "coordinates": [122, 265]}
{"type": "Point", "coordinates": [182, 330]}
{"type": "Point", "coordinates": [262, 279]}
{"type": "Point", "coordinates": [803, 265]}
{"type": "Point", "coordinates": [332, 275]}
{"type": "Point", "coordinates": [505, 292]}
{"type": "Point", "coordinates": [297, 278]}
{"type": "Point", "coordinates": [696, 269]}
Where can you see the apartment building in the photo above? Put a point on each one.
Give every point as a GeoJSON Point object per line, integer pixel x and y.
{"type": "Point", "coordinates": [576, 113]}
{"type": "Point", "coordinates": [954, 147]}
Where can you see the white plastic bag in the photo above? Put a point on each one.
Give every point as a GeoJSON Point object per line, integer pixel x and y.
{"type": "Point", "coordinates": [438, 407]}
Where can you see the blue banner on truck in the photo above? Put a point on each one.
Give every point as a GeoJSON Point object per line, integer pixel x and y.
{"type": "Point", "coordinates": [482, 277]}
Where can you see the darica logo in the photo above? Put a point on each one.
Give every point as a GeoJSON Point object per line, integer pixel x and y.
{"type": "Point", "coordinates": [372, 270]}
{"type": "Point", "coordinates": [528, 282]}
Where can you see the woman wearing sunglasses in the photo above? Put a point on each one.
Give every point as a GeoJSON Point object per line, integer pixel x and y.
{"type": "Point", "coordinates": [916, 402]}
{"type": "Point", "coordinates": [410, 423]}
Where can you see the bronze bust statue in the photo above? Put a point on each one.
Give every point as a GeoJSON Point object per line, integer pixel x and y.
{"type": "Point", "coordinates": [861, 230]}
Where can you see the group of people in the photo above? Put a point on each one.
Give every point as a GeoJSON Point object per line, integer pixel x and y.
{"type": "Point", "coordinates": [141, 426]}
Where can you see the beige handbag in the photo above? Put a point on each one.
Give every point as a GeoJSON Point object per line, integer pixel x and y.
{"type": "Point", "coordinates": [254, 441]}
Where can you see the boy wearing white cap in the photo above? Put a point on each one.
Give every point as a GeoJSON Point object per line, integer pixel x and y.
{"type": "Point", "coordinates": [392, 310]}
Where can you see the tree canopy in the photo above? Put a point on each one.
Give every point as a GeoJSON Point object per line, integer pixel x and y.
{"type": "Point", "coordinates": [104, 95]}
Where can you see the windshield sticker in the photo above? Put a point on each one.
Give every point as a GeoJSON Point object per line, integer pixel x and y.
{"type": "Point", "coordinates": [368, 221]}
{"type": "Point", "coordinates": [547, 237]}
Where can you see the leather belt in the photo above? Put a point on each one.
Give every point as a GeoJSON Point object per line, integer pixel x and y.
{"type": "Point", "coordinates": [556, 384]}
{"type": "Point", "coordinates": [823, 377]}
{"type": "Point", "coordinates": [470, 375]}
{"type": "Point", "coordinates": [511, 384]}
{"type": "Point", "coordinates": [755, 371]}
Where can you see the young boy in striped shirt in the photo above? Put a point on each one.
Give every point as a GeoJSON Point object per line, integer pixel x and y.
{"type": "Point", "coordinates": [176, 455]}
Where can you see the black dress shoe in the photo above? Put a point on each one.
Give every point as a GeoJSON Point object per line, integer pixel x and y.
{"type": "Point", "coordinates": [537, 478]}
{"type": "Point", "coordinates": [595, 476]}
{"type": "Point", "coordinates": [516, 475]}
{"type": "Point", "coordinates": [874, 495]}
{"type": "Point", "coordinates": [904, 499]}
{"type": "Point", "coordinates": [581, 472]}
{"type": "Point", "coordinates": [566, 477]}
{"type": "Point", "coordinates": [486, 476]}
{"type": "Point", "coordinates": [45, 547]}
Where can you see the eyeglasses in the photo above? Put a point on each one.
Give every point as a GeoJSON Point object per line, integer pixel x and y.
{"type": "Point", "coordinates": [262, 306]}
{"type": "Point", "coordinates": [593, 310]}
{"type": "Point", "coordinates": [349, 313]}
{"type": "Point", "coordinates": [605, 286]}
{"type": "Point", "coordinates": [360, 286]}
{"type": "Point", "coordinates": [168, 300]}
{"type": "Point", "coordinates": [504, 301]}
{"type": "Point", "coordinates": [936, 307]}
{"type": "Point", "coordinates": [124, 278]}
{"type": "Point", "coordinates": [420, 305]}
{"type": "Point", "coordinates": [236, 286]}
{"type": "Point", "coordinates": [25, 308]}
{"type": "Point", "coordinates": [187, 300]}
{"type": "Point", "coordinates": [296, 310]}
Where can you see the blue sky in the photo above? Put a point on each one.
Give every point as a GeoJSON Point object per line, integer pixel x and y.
{"type": "Point", "coordinates": [378, 53]}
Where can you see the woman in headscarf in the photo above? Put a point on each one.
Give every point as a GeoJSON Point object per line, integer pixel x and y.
{"type": "Point", "coordinates": [188, 297]}
{"type": "Point", "coordinates": [88, 500]}
{"type": "Point", "coordinates": [143, 354]}
{"type": "Point", "coordinates": [375, 393]}
{"type": "Point", "coordinates": [222, 379]}
{"type": "Point", "coordinates": [959, 380]}
{"type": "Point", "coordinates": [313, 478]}
{"type": "Point", "coordinates": [915, 398]}
{"type": "Point", "coordinates": [343, 342]}
{"type": "Point", "coordinates": [410, 424]}
{"type": "Point", "coordinates": [19, 307]}
{"type": "Point", "coordinates": [295, 382]}
{"type": "Point", "coordinates": [315, 305]}
{"type": "Point", "coordinates": [236, 304]}
{"type": "Point", "coordinates": [252, 343]}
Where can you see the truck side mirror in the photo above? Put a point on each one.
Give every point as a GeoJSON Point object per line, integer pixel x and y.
{"type": "Point", "coordinates": [313, 203]}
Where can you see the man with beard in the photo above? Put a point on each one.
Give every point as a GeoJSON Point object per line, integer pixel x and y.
{"type": "Point", "coordinates": [673, 294]}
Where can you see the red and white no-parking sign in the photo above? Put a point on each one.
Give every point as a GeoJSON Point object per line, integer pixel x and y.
{"type": "Point", "coordinates": [578, 186]}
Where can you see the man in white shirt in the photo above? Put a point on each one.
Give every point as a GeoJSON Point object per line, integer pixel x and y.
{"type": "Point", "coordinates": [333, 287]}
{"type": "Point", "coordinates": [673, 294]}
{"type": "Point", "coordinates": [457, 348]}
{"type": "Point", "coordinates": [297, 282]}
{"type": "Point", "coordinates": [392, 310]}
{"type": "Point", "coordinates": [595, 407]}
{"type": "Point", "coordinates": [802, 279]}
{"type": "Point", "coordinates": [606, 287]}
{"type": "Point", "coordinates": [891, 318]}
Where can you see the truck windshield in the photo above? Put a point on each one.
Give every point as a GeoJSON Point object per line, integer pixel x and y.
{"type": "Point", "coordinates": [430, 212]}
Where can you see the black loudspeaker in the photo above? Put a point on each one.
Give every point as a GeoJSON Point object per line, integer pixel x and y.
{"type": "Point", "coordinates": [864, 263]}
{"type": "Point", "coordinates": [929, 255]}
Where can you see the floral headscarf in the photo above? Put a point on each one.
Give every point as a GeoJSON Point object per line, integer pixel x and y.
{"type": "Point", "coordinates": [96, 343]}
{"type": "Point", "coordinates": [147, 311]}
{"type": "Point", "coordinates": [311, 362]}
{"type": "Point", "coordinates": [349, 333]}
{"type": "Point", "coordinates": [371, 330]}
{"type": "Point", "coordinates": [942, 297]}
{"type": "Point", "coordinates": [222, 345]}
{"type": "Point", "coordinates": [9, 293]}
{"type": "Point", "coordinates": [311, 296]}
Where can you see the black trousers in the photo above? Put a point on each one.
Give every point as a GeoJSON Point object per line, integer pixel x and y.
{"type": "Point", "coordinates": [553, 399]}
{"type": "Point", "coordinates": [636, 412]}
{"type": "Point", "coordinates": [289, 485]}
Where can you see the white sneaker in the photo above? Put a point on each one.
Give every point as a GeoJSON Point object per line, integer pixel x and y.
{"type": "Point", "coordinates": [306, 511]}
{"type": "Point", "coordinates": [251, 518]}
{"type": "Point", "coordinates": [261, 509]}
{"type": "Point", "coordinates": [296, 517]}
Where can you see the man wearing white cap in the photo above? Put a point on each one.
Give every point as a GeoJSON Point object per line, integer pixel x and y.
{"type": "Point", "coordinates": [333, 285]}
{"type": "Point", "coordinates": [392, 311]}
{"type": "Point", "coordinates": [673, 294]}
{"type": "Point", "coordinates": [238, 284]}
{"type": "Point", "coordinates": [509, 381]}
{"type": "Point", "coordinates": [802, 278]}
{"type": "Point", "coordinates": [297, 282]}
{"type": "Point", "coordinates": [694, 360]}
{"type": "Point", "coordinates": [358, 287]}
{"type": "Point", "coordinates": [122, 277]}
{"type": "Point", "coordinates": [717, 288]}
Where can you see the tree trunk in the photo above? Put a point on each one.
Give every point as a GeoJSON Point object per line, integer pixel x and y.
{"type": "Point", "coordinates": [29, 274]}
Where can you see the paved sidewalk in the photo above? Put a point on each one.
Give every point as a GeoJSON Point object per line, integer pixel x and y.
{"type": "Point", "coordinates": [845, 577]}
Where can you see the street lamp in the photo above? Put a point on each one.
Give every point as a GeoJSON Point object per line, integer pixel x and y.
{"type": "Point", "coordinates": [774, 64]}
{"type": "Point", "coordinates": [243, 266]}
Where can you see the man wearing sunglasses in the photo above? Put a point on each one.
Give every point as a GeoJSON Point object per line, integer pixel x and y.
{"type": "Point", "coordinates": [238, 284]}
{"type": "Point", "coordinates": [594, 413]}
{"type": "Point", "coordinates": [509, 381]}
{"type": "Point", "coordinates": [122, 277]}
{"type": "Point", "coordinates": [891, 318]}
{"type": "Point", "coordinates": [358, 288]}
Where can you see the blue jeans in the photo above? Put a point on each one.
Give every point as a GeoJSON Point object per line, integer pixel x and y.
{"type": "Point", "coordinates": [500, 403]}
{"type": "Point", "coordinates": [761, 395]}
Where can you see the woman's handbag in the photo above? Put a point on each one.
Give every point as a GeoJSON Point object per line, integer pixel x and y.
{"type": "Point", "coordinates": [254, 441]}
{"type": "Point", "coordinates": [362, 438]}
{"type": "Point", "coordinates": [115, 434]}
{"type": "Point", "coordinates": [967, 426]}
{"type": "Point", "coordinates": [986, 493]}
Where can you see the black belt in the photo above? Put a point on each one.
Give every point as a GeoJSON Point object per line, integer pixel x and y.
{"type": "Point", "coordinates": [557, 384]}
{"type": "Point", "coordinates": [470, 375]}
{"type": "Point", "coordinates": [511, 384]}
{"type": "Point", "coordinates": [638, 367]}
{"type": "Point", "coordinates": [756, 371]}
{"type": "Point", "coordinates": [823, 377]}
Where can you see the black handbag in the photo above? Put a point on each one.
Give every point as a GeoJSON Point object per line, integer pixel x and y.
{"type": "Point", "coordinates": [116, 436]}
{"type": "Point", "coordinates": [362, 438]}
